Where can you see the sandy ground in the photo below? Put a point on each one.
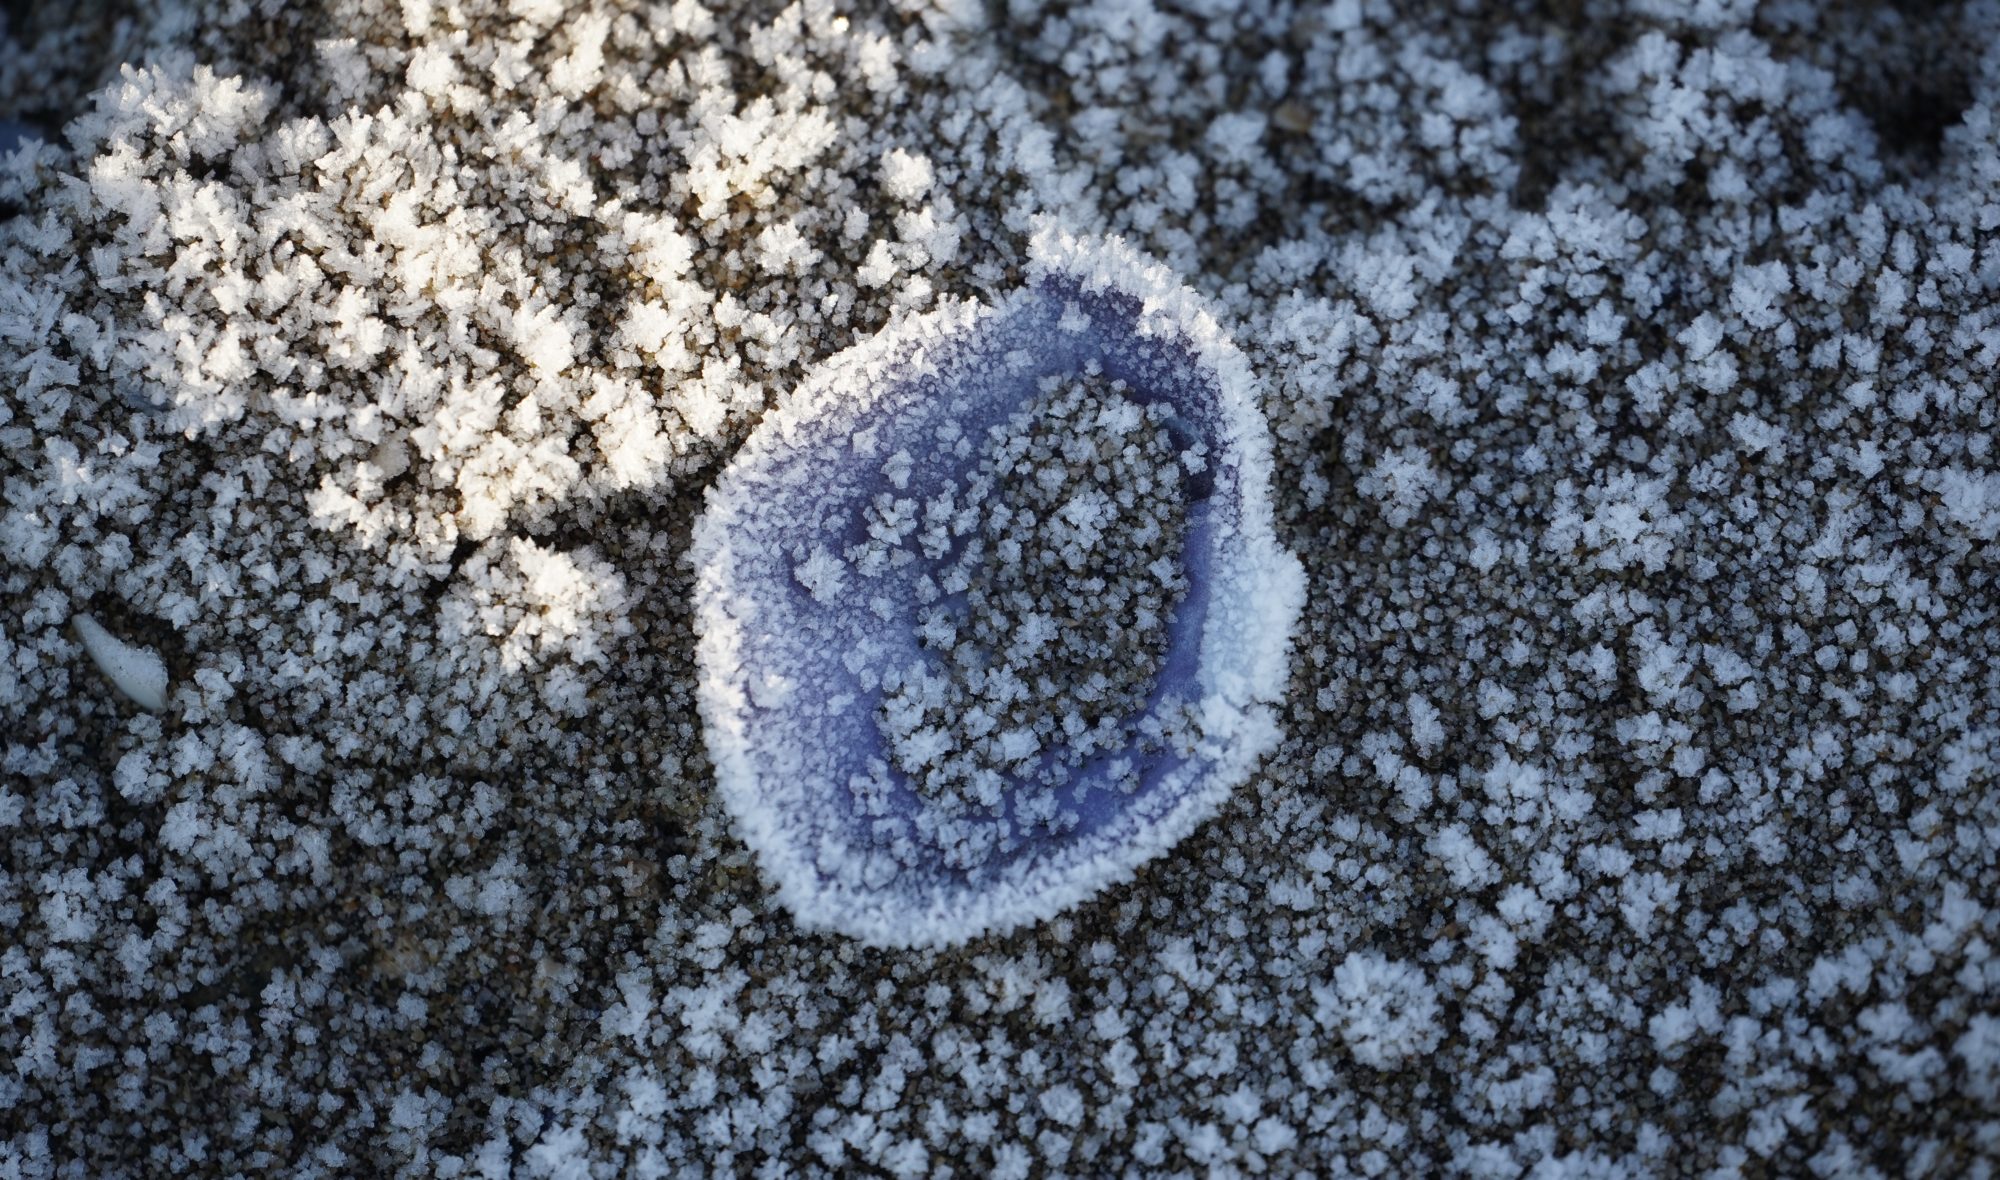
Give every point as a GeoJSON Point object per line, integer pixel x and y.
{"type": "Point", "coordinates": [1629, 369]}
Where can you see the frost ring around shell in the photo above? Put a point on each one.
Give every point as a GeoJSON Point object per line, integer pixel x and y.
{"type": "Point", "coordinates": [795, 646]}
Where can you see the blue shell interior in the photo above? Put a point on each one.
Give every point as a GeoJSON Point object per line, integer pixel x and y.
{"type": "Point", "coordinates": [812, 493]}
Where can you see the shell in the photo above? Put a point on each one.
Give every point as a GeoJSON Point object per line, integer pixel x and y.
{"type": "Point", "coordinates": [791, 648]}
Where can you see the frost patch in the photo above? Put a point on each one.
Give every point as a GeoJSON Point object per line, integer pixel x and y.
{"type": "Point", "coordinates": [1386, 1010]}
{"type": "Point", "coordinates": [1014, 565]}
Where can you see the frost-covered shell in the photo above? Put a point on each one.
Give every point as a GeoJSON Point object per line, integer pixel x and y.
{"type": "Point", "coordinates": [789, 644]}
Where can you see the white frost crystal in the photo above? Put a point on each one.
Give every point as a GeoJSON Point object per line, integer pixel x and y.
{"type": "Point", "coordinates": [1042, 638]}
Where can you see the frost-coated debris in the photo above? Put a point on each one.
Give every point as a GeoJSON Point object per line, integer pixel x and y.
{"type": "Point", "coordinates": [942, 697]}
{"type": "Point", "coordinates": [1628, 369]}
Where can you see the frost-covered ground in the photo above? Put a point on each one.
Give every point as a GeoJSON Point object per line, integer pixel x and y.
{"type": "Point", "coordinates": [1632, 371]}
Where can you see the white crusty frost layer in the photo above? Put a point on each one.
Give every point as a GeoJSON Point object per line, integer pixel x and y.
{"type": "Point", "coordinates": [804, 629]}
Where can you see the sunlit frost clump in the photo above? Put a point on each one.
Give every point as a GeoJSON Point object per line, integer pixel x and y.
{"type": "Point", "coordinates": [991, 610]}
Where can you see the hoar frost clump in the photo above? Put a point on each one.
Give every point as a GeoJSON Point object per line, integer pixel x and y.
{"type": "Point", "coordinates": [1050, 628]}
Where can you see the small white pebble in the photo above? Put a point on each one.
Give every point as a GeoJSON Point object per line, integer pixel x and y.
{"type": "Point", "coordinates": [139, 672]}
